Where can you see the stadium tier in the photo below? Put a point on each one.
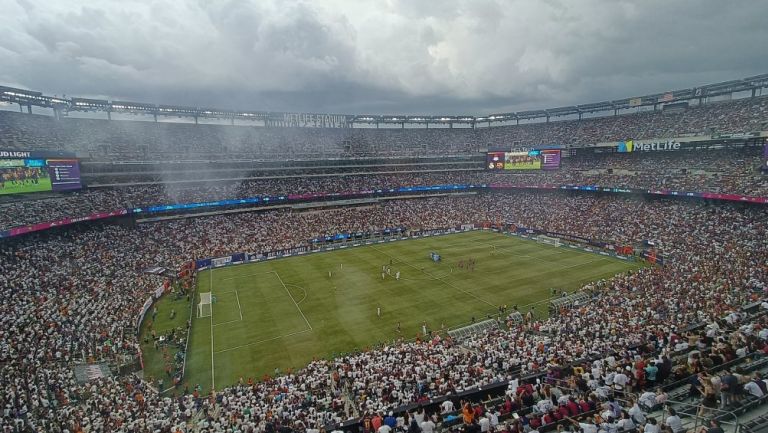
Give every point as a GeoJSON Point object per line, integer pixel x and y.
{"type": "Point", "coordinates": [732, 171]}
{"type": "Point", "coordinates": [73, 296]}
{"type": "Point", "coordinates": [184, 278]}
{"type": "Point", "coordinates": [160, 141]}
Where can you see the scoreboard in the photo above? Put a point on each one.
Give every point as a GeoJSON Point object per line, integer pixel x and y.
{"type": "Point", "coordinates": [538, 159]}
{"type": "Point", "coordinates": [27, 172]}
{"type": "Point", "coordinates": [65, 174]}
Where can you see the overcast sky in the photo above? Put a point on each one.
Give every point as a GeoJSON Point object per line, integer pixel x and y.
{"type": "Point", "coordinates": [377, 56]}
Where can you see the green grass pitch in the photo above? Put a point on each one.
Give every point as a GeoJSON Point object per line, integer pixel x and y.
{"type": "Point", "coordinates": [281, 314]}
{"type": "Point", "coordinates": [44, 184]}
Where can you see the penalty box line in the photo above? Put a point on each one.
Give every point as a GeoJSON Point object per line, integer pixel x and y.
{"type": "Point", "coordinates": [441, 279]}
{"type": "Point", "coordinates": [239, 309]}
{"type": "Point", "coordinates": [246, 275]}
{"type": "Point", "coordinates": [309, 326]}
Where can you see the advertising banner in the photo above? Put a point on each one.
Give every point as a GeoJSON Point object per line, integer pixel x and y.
{"type": "Point", "coordinates": [62, 222]}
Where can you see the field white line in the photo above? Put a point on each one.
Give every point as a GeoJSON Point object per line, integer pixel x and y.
{"type": "Point", "coordinates": [585, 263]}
{"type": "Point", "coordinates": [505, 250]}
{"type": "Point", "coordinates": [263, 341]}
{"type": "Point", "coordinates": [239, 308]}
{"type": "Point", "coordinates": [247, 275]}
{"type": "Point", "coordinates": [302, 289]}
{"type": "Point", "coordinates": [213, 372]}
{"type": "Point", "coordinates": [436, 278]}
{"type": "Point", "coordinates": [224, 293]}
{"type": "Point", "coordinates": [228, 322]}
{"type": "Point", "coordinates": [294, 301]}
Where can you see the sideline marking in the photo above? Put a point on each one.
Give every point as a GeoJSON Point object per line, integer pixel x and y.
{"type": "Point", "coordinates": [264, 340]}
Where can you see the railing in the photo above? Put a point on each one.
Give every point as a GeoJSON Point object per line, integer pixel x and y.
{"type": "Point", "coordinates": [728, 420]}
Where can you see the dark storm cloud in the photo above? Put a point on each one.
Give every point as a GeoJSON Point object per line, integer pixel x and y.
{"type": "Point", "coordinates": [376, 56]}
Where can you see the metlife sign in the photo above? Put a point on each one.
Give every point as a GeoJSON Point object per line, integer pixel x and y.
{"type": "Point", "coordinates": [630, 146]}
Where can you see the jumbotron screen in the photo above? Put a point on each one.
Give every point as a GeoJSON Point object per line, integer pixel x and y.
{"type": "Point", "coordinates": [546, 159]}
{"type": "Point", "coordinates": [33, 174]}
{"type": "Point", "coordinates": [765, 157]}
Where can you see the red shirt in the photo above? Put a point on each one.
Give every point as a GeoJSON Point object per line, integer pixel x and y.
{"type": "Point", "coordinates": [584, 406]}
{"type": "Point", "coordinates": [573, 408]}
{"type": "Point", "coordinates": [376, 422]}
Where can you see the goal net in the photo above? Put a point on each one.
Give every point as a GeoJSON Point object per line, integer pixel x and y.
{"type": "Point", "coordinates": [205, 307]}
{"type": "Point", "coordinates": [548, 240]}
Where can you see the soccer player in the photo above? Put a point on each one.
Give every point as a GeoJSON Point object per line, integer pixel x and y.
{"type": "Point", "coordinates": [378, 311]}
{"type": "Point", "coordinates": [397, 275]}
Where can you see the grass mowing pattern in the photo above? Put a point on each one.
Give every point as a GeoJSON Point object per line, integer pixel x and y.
{"type": "Point", "coordinates": [281, 314]}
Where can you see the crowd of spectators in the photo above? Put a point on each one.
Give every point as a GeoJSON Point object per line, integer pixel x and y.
{"type": "Point", "coordinates": [142, 141]}
{"type": "Point", "coordinates": [73, 295]}
{"type": "Point", "coordinates": [729, 171]}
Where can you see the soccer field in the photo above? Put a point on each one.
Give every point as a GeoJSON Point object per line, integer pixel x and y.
{"type": "Point", "coordinates": [44, 184]}
{"type": "Point", "coordinates": [281, 314]}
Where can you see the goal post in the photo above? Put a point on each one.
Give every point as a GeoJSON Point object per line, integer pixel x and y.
{"type": "Point", "coordinates": [205, 307]}
{"type": "Point", "coordinates": [543, 239]}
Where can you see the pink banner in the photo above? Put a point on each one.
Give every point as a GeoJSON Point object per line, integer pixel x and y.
{"type": "Point", "coordinates": [735, 197]}
{"type": "Point", "coordinates": [66, 221]}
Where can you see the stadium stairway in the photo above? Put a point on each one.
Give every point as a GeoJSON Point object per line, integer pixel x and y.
{"type": "Point", "coordinates": [757, 424]}
{"type": "Point", "coordinates": [677, 391]}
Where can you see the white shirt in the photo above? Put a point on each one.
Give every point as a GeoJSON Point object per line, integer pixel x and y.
{"type": "Point", "coordinates": [447, 406]}
{"type": "Point", "coordinates": [626, 424]}
{"type": "Point", "coordinates": [637, 414]}
{"type": "Point", "coordinates": [544, 405]}
{"type": "Point", "coordinates": [427, 426]}
{"type": "Point", "coordinates": [588, 428]}
{"type": "Point", "coordinates": [485, 424]}
{"type": "Point", "coordinates": [675, 423]}
{"type": "Point", "coordinates": [384, 429]}
{"type": "Point", "coordinates": [648, 399]}
{"type": "Point", "coordinates": [753, 388]}
{"type": "Point", "coordinates": [620, 380]}
{"type": "Point", "coordinates": [494, 419]}
{"type": "Point", "coordinates": [650, 428]}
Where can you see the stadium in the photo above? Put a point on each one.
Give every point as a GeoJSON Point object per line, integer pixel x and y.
{"type": "Point", "coordinates": [597, 267]}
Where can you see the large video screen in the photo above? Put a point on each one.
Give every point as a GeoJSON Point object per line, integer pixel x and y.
{"type": "Point", "coordinates": [544, 159]}
{"type": "Point", "coordinates": [550, 159]}
{"type": "Point", "coordinates": [765, 157]}
{"type": "Point", "coordinates": [26, 175]}
{"type": "Point", "coordinates": [522, 160]}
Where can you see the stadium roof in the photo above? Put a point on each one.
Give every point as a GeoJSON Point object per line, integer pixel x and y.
{"type": "Point", "coordinates": [33, 98]}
